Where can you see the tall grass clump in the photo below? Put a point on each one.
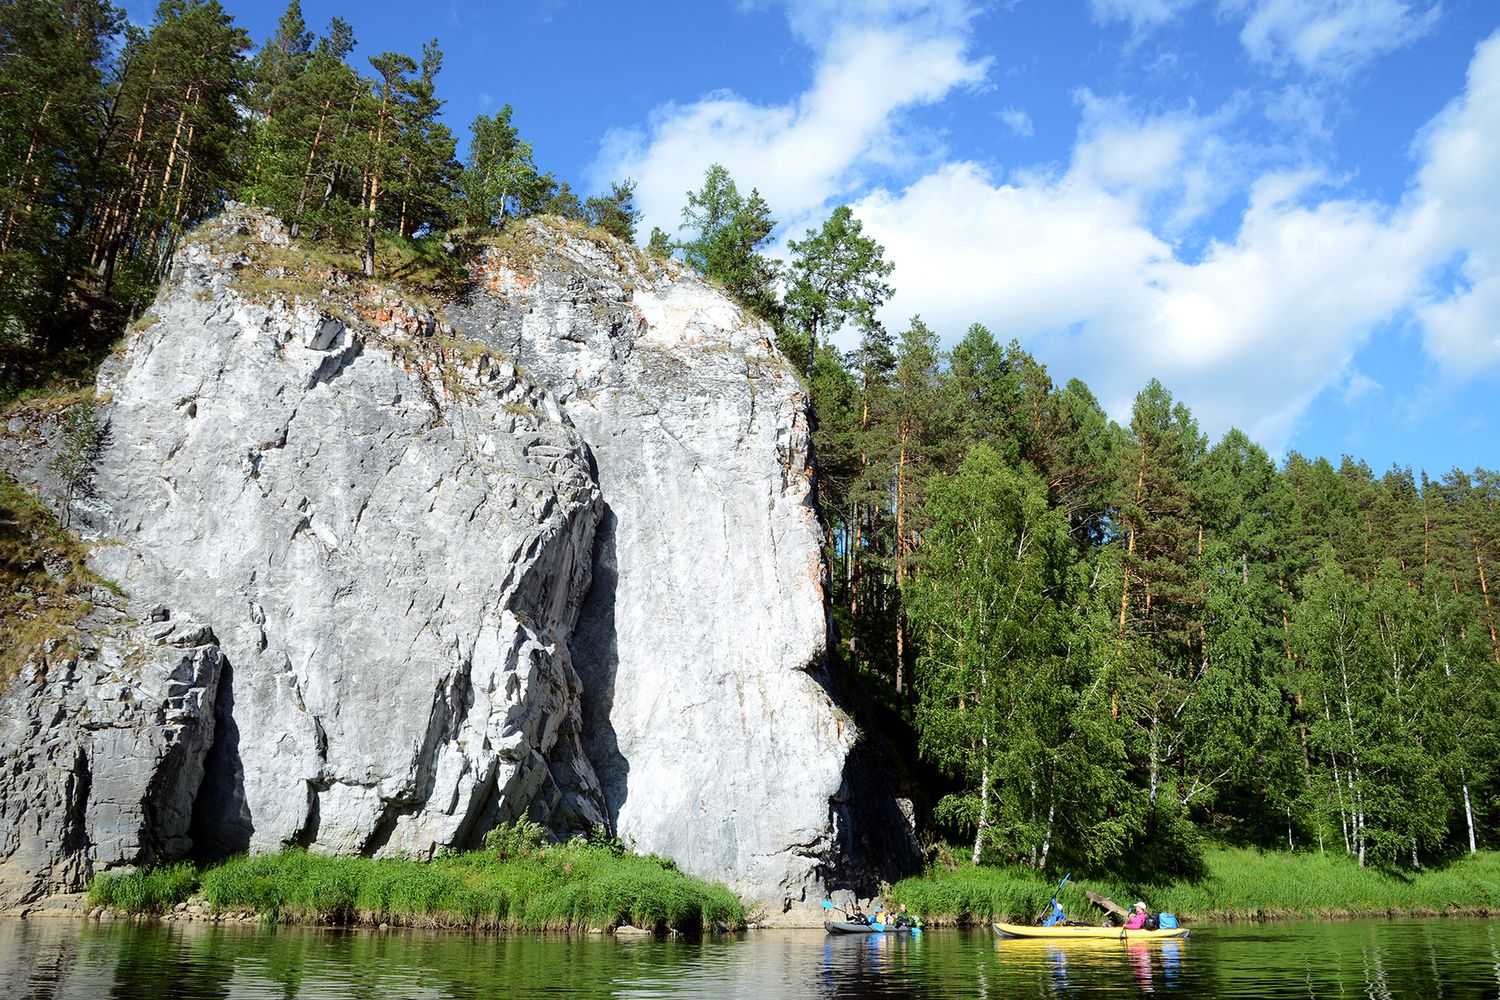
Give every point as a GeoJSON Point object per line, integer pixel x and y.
{"type": "Point", "coordinates": [1237, 884]}
{"type": "Point", "coordinates": [146, 890]}
{"type": "Point", "coordinates": [1244, 884]}
{"type": "Point", "coordinates": [969, 895]}
{"type": "Point", "coordinates": [518, 881]}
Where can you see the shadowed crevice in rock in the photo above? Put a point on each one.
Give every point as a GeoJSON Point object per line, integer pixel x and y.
{"type": "Point", "coordinates": [336, 363]}
{"type": "Point", "coordinates": [596, 657]}
{"type": "Point", "coordinates": [876, 841]}
{"type": "Point", "coordinates": [75, 829]}
{"type": "Point", "coordinates": [221, 824]}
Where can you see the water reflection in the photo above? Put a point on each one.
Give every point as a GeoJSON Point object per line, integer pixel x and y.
{"type": "Point", "coordinates": [1069, 968]}
{"type": "Point", "coordinates": [1494, 952]}
{"type": "Point", "coordinates": [56, 959]}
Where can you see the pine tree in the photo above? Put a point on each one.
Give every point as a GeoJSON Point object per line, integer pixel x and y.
{"type": "Point", "coordinates": [176, 143]}
{"type": "Point", "coordinates": [53, 106]}
{"type": "Point", "coordinates": [837, 276]}
{"type": "Point", "coordinates": [303, 154]}
{"type": "Point", "coordinates": [660, 244]}
{"type": "Point", "coordinates": [500, 180]}
{"type": "Point", "coordinates": [615, 213]}
{"type": "Point", "coordinates": [1239, 744]}
{"type": "Point", "coordinates": [421, 191]}
{"type": "Point", "coordinates": [725, 233]}
{"type": "Point", "coordinates": [281, 60]}
{"type": "Point", "coordinates": [1160, 597]}
{"type": "Point", "coordinates": [919, 427]}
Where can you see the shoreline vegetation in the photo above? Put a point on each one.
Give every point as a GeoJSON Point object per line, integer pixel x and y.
{"type": "Point", "coordinates": [517, 882]}
{"type": "Point", "coordinates": [1239, 884]}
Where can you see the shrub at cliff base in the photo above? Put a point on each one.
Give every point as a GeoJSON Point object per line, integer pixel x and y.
{"type": "Point", "coordinates": [1239, 885]}
{"type": "Point", "coordinates": [148, 890]}
{"type": "Point", "coordinates": [577, 885]}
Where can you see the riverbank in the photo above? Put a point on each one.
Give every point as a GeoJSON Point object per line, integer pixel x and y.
{"type": "Point", "coordinates": [514, 885]}
{"type": "Point", "coordinates": [1239, 885]}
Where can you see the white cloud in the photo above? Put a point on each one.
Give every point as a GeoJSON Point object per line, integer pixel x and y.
{"type": "Point", "coordinates": [1329, 37]}
{"type": "Point", "coordinates": [1087, 262]}
{"type": "Point", "coordinates": [1075, 264]}
{"type": "Point", "coordinates": [804, 152]}
{"type": "Point", "coordinates": [1458, 187]}
{"type": "Point", "coordinates": [1358, 385]}
{"type": "Point", "coordinates": [1018, 121]}
{"type": "Point", "coordinates": [1179, 165]}
{"type": "Point", "coordinates": [1141, 14]}
{"type": "Point", "coordinates": [1248, 336]}
{"type": "Point", "coordinates": [1299, 113]}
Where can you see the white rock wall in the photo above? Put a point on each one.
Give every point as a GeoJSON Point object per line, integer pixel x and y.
{"type": "Point", "coordinates": [392, 563]}
{"type": "Point", "coordinates": [703, 639]}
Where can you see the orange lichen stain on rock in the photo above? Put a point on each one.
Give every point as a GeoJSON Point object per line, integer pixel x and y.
{"type": "Point", "coordinates": [811, 574]}
{"type": "Point", "coordinates": [498, 273]}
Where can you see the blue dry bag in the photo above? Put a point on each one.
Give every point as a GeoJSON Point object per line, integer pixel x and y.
{"type": "Point", "coordinates": [1166, 921]}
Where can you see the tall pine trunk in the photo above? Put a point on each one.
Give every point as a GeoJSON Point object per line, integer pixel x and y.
{"type": "Point", "coordinates": [901, 555]}
{"type": "Point", "coordinates": [1484, 589]}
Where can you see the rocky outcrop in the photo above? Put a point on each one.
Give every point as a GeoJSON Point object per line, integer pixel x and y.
{"type": "Point", "coordinates": [702, 643]}
{"type": "Point", "coordinates": [390, 547]}
{"type": "Point", "coordinates": [103, 751]}
{"type": "Point", "coordinates": [549, 550]}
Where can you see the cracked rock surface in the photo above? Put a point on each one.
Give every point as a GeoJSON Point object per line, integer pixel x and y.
{"type": "Point", "coordinates": [102, 752]}
{"type": "Point", "coordinates": [548, 551]}
{"type": "Point", "coordinates": [392, 554]}
{"type": "Point", "coordinates": [702, 644]}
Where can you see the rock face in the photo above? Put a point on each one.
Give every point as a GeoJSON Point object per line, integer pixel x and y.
{"type": "Point", "coordinates": [548, 551]}
{"type": "Point", "coordinates": [702, 642]}
{"type": "Point", "coordinates": [103, 754]}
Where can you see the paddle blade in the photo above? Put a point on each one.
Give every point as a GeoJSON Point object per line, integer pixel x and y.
{"type": "Point", "coordinates": [828, 904]}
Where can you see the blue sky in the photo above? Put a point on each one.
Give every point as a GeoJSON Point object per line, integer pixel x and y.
{"type": "Point", "coordinates": [1286, 210]}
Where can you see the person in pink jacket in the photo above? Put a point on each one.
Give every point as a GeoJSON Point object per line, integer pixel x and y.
{"type": "Point", "coordinates": [1137, 918]}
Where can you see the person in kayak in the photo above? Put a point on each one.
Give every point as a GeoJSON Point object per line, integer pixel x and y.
{"type": "Point", "coordinates": [1057, 917]}
{"type": "Point", "coordinates": [904, 919]}
{"type": "Point", "coordinates": [1137, 918]}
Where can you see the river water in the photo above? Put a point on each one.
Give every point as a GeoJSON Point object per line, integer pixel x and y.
{"type": "Point", "coordinates": [1427, 958]}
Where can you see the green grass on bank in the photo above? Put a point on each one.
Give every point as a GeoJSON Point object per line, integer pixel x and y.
{"type": "Point", "coordinates": [573, 886]}
{"type": "Point", "coordinates": [1240, 885]}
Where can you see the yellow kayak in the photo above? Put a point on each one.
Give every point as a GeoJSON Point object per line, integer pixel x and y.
{"type": "Point", "coordinates": [1078, 932]}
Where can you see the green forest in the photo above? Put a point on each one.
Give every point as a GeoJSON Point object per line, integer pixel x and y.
{"type": "Point", "coordinates": [1105, 645]}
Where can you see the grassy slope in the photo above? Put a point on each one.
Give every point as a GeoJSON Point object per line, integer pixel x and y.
{"type": "Point", "coordinates": [1240, 885]}
{"type": "Point", "coordinates": [43, 578]}
{"type": "Point", "coordinates": [567, 886]}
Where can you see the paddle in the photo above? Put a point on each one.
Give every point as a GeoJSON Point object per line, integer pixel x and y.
{"type": "Point", "coordinates": [828, 905]}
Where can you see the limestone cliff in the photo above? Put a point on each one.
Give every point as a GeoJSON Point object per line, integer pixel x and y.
{"type": "Point", "coordinates": [549, 549]}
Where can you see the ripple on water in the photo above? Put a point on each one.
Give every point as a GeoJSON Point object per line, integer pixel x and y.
{"type": "Point", "coordinates": [67, 959]}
